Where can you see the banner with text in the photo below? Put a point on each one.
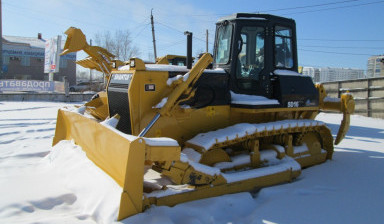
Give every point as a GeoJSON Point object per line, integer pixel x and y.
{"type": "Point", "coordinates": [52, 55]}
{"type": "Point", "coordinates": [29, 85]}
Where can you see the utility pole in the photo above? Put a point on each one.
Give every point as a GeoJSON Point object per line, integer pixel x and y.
{"type": "Point", "coordinates": [153, 36]}
{"type": "Point", "coordinates": [1, 41]}
{"type": "Point", "coordinates": [206, 41]}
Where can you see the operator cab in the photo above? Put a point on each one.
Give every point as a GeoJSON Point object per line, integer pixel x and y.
{"type": "Point", "coordinates": [251, 47]}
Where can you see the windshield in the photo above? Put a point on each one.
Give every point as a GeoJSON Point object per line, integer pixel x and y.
{"type": "Point", "coordinates": [224, 37]}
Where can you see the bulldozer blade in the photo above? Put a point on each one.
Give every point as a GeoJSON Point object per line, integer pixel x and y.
{"type": "Point", "coordinates": [121, 157]}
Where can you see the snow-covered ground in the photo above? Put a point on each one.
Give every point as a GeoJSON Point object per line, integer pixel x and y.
{"type": "Point", "coordinates": [40, 184]}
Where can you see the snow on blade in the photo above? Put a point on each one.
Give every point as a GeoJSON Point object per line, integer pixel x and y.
{"type": "Point", "coordinates": [108, 125]}
{"type": "Point", "coordinates": [112, 122]}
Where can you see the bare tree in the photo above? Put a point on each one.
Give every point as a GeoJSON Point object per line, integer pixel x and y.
{"type": "Point", "coordinates": [82, 75]}
{"type": "Point", "coordinates": [120, 44]}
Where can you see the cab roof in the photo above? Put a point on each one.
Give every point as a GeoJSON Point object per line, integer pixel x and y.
{"type": "Point", "coordinates": [253, 16]}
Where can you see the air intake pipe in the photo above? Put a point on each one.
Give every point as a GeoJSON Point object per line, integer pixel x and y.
{"type": "Point", "coordinates": [189, 49]}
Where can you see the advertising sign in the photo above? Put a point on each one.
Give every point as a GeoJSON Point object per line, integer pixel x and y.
{"type": "Point", "coordinates": [52, 55]}
{"type": "Point", "coordinates": [26, 85]}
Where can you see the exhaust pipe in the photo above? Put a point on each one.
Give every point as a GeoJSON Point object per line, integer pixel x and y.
{"type": "Point", "coordinates": [189, 49]}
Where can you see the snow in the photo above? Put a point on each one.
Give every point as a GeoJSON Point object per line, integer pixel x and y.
{"type": "Point", "coordinates": [177, 68]}
{"type": "Point", "coordinates": [112, 122]}
{"type": "Point", "coordinates": [169, 68]}
{"type": "Point", "coordinates": [173, 79]}
{"type": "Point", "coordinates": [161, 103]}
{"type": "Point", "coordinates": [171, 190]}
{"type": "Point", "coordinates": [161, 141]}
{"type": "Point", "coordinates": [170, 81]}
{"type": "Point", "coordinates": [287, 72]}
{"type": "Point", "coordinates": [191, 154]}
{"type": "Point", "coordinates": [235, 161]}
{"type": "Point", "coordinates": [207, 140]}
{"type": "Point", "coordinates": [40, 184]}
{"type": "Point", "coordinates": [268, 155]}
{"type": "Point", "coordinates": [191, 158]}
{"type": "Point", "coordinates": [300, 149]}
{"type": "Point", "coordinates": [332, 99]}
{"type": "Point", "coordinates": [285, 164]}
{"type": "Point", "coordinates": [251, 99]}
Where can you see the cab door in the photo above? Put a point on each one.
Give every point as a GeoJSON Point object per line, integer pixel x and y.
{"type": "Point", "coordinates": [250, 67]}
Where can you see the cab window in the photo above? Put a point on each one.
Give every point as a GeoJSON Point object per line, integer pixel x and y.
{"type": "Point", "coordinates": [283, 47]}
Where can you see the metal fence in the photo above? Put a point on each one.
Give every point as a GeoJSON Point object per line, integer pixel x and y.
{"type": "Point", "coordinates": [368, 94]}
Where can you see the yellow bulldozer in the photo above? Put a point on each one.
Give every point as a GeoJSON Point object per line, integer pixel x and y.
{"type": "Point", "coordinates": [239, 120]}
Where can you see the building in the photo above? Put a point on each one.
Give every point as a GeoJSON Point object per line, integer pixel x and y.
{"type": "Point", "coordinates": [327, 74]}
{"type": "Point", "coordinates": [313, 72]}
{"type": "Point", "coordinates": [375, 66]}
{"type": "Point", "coordinates": [23, 58]}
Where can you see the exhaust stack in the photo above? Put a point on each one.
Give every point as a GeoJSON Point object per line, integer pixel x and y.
{"type": "Point", "coordinates": [189, 49]}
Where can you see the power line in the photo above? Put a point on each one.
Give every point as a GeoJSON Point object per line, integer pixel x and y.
{"type": "Point", "coordinates": [340, 7]}
{"type": "Point", "coordinates": [345, 47]}
{"type": "Point", "coordinates": [171, 45]}
{"type": "Point", "coordinates": [138, 34]}
{"type": "Point", "coordinates": [179, 31]}
{"type": "Point", "coordinates": [341, 40]}
{"type": "Point", "coordinates": [281, 9]}
{"type": "Point", "coordinates": [310, 6]}
{"type": "Point", "coordinates": [332, 52]}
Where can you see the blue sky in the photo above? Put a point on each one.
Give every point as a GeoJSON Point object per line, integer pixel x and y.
{"type": "Point", "coordinates": [330, 33]}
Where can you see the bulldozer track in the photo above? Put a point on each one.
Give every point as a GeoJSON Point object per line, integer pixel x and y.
{"type": "Point", "coordinates": [243, 132]}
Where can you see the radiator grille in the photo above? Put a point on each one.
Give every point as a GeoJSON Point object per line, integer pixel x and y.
{"type": "Point", "coordinates": [118, 100]}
